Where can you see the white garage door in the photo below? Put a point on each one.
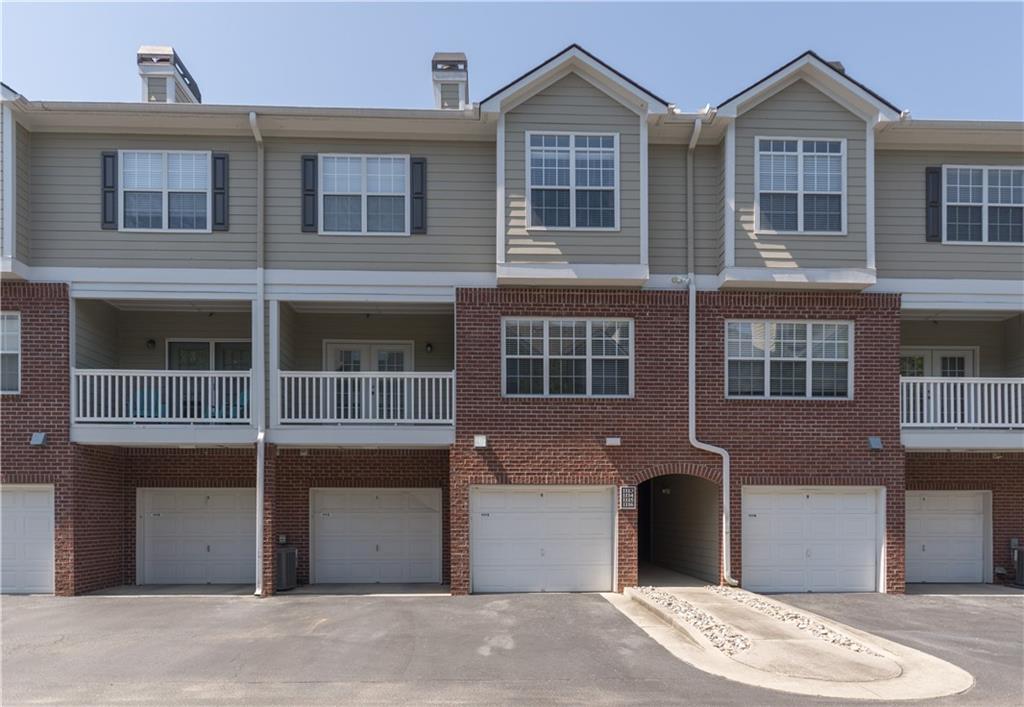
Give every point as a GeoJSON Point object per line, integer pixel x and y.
{"type": "Point", "coordinates": [945, 536]}
{"type": "Point", "coordinates": [366, 536]}
{"type": "Point", "coordinates": [542, 539]}
{"type": "Point", "coordinates": [197, 536]}
{"type": "Point", "coordinates": [27, 542]}
{"type": "Point", "coordinates": [810, 539]}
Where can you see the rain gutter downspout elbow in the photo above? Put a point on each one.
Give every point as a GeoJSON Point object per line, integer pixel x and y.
{"type": "Point", "coordinates": [691, 388]}
{"type": "Point", "coordinates": [259, 367]}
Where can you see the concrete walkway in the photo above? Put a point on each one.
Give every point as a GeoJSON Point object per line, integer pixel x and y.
{"type": "Point", "coordinates": [759, 641]}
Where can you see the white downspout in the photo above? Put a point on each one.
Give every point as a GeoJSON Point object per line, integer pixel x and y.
{"type": "Point", "coordinates": [691, 389]}
{"type": "Point", "coordinates": [259, 401]}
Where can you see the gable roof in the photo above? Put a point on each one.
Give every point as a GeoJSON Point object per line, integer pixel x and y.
{"type": "Point", "coordinates": [571, 52]}
{"type": "Point", "coordinates": [828, 71]}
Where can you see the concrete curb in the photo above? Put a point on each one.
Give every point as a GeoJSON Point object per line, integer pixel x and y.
{"type": "Point", "coordinates": [922, 677]}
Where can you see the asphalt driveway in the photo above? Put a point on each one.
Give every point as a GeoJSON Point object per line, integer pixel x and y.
{"type": "Point", "coordinates": [493, 649]}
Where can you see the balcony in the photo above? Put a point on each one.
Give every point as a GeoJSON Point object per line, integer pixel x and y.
{"type": "Point", "coordinates": [958, 390]}
{"type": "Point", "coordinates": [162, 373]}
{"type": "Point", "coordinates": [363, 375]}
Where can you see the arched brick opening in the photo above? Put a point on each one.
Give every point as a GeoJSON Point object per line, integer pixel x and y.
{"type": "Point", "coordinates": [701, 471]}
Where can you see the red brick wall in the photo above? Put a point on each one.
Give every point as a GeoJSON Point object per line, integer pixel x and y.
{"type": "Point", "coordinates": [98, 491]}
{"type": "Point", "coordinates": [1002, 474]}
{"type": "Point", "coordinates": [294, 474]}
{"type": "Point", "coordinates": [561, 441]}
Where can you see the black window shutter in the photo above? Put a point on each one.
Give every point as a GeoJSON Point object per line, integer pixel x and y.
{"type": "Point", "coordinates": [309, 222]}
{"type": "Point", "coordinates": [108, 208]}
{"type": "Point", "coordinates": [933, 204]}
{"type": "Point", "coordinates": [220, 191]}
{"type": "Point", "coordinates": [418, 191]}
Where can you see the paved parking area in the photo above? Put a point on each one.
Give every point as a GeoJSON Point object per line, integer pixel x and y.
{"type": "Point", "coordinates": [330, 649]}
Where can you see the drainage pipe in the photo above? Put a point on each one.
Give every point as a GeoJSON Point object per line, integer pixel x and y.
{"type": "Point", "coordinates": [691, 389]}
{"type": "Point", "coordinates": [259, 367]}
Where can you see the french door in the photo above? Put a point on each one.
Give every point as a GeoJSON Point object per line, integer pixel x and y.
{"type": "Point", "coordinates": [356, 396]}
{"type": "Point", "coordinates": [940, 363]}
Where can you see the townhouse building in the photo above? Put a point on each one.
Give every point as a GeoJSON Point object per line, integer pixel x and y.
{"type": "Point", "coordinates": [527, 343]}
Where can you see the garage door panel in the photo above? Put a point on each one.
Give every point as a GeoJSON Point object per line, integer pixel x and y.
{"type": "Point", "coordinates": [574, 525]}
{"type": "Point", "coordinates": [809, 539]}
{"type": "Point", "coordinates": [945, 536]}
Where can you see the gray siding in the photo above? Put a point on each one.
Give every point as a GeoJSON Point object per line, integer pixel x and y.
{"type": "Point", "coordinates": [460, 211]}
{"type": "Point", "coordinates": [802, 111]}
{"type": "Point", "coordinates": [667, 198]}
{"type": "Point", "coordinates": [449, 95]}
{"type": "Point", "coordinates": [2, 180]}
{"type": "Point", "coordinates": [95, 334]}
{"type": "Point", "coordinates": [286, 335]}
{"type": "Point", "coordinates": [311, 329]}
{"type": "Point", "coordinates": [23, 195]}
{"type": "Point", "coordinates": [708, 182]}
{"type": "Point", "coordinates": [684, 529]}
{"type": "Point", "coordinates": [156, 89]}
{"type": "Point", "coordinates": [572, 104]}
{"type": "Point", "coordinates": [134, 328]}
{"type": "Point", "coordinates": [987, 336]}
{"type": "Point", "coordinates": [65, 207]}
{"type": "Point", "coordinates": [899, 217]}
{"type": "Point", "coordinates": [1013, 347]}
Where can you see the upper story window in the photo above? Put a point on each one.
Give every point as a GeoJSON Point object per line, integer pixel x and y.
{"type": "Point", "coordinates": [573, 181]}
{"type": "Point", "coordinates": [983, 204]}
{"type": "Point", "coordinates": [567, 357]}
{"type": "Point", "coordinates": [767, 359]}
{"type": "Point", "coordinates": [10, 352]}
{"type": "Point", "coordinates": [364, 194]}
{"type": "Point", "coordinates": [165, 191]}
{"type": "Point", "coordinates": [800, 186]}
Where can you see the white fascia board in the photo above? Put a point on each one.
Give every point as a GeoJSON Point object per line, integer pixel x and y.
{"type": "Point", "coordinates": [363, 436]}
{"type": "Point", "coordinates": [142, 435]}
{"type": "Point", "coordinates": [798, 278]}
{"type": "Point", "coordinates": [580, 275]}
{"type": "Point", "coordinates": [574, 58]}
{"type": "Point", "coordinates": [958, 286]}
{"type": "Point", "coordinates": [826, 79]}
{"type": "Point", "coordinates": [960, 440]}
{"type": "Point", "coordinates": [706, 283]}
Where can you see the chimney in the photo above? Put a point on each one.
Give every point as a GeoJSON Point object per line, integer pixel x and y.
{"type": "Point", "coordinates": [838, 66]}
{"type": "Point", "coordinates": [451, 80]}
{"type": "Point", "coordinates": [165, 78]}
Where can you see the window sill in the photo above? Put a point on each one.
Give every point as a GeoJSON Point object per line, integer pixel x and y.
{"type": "Point", "coordinates": [540, 396]}
{"type": "Point", "coordinates": [541, 229]}
{"type": "Point", "coordinates": [353, 233]}
{"type": "Point", "coordinates": [801, 233]}
{"type": "Point", "coordinates": [164, 230]}
{"type": "Point", "coordinates": [802, 398]}
{"type": "Point", "coordinates": [984, 243]}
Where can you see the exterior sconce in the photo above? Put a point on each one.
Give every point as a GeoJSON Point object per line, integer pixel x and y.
{"type": "Point", "coordinates": [479, 441]}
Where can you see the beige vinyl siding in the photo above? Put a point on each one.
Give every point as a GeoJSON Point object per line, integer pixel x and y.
{"type": "Point", "coordinates": [572, 105]}
{"type": "Point", "coordinates": [286, 335]}
{"type": "Point", "coordinates": [449, 95]}
{"type": "Point", "coordinates": [667, 199]}
{"type": "Point", "coordinates": [134, 328]}
{"type": "Point", "coordinates": [800, 111]}
{"type": "Point", "coordinates": [95, 334]}
{"type": "Point", "coordinates": [684, 533]}
{"type": "Point", "coordinates": [66, 197]}
{"type": "Point", "coordinates": [460, 210]}
{"type": "Point", "coordinates": [989, 337]}
{"type": "Point", "coordinates": [900, 221]}
{"type": "Point", "coordinates": [720, 208]}
{"type": "Point", "coordinates": [23, 194]}
{"type": "Point", "coordinates": [707, 216]}
{"type": "Point", "coordinates": [311, 329]}
{"type": "Point", "coordinates": [2, 182]}
{"type": "Point", "coordinates": [156, 89]}
{"type": "Point", "coordinates": [1013, 347]}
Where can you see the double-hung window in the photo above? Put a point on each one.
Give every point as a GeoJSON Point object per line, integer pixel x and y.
{"type": "Point", "coordinates": [567, 357]}
{"type": "Point", "coordinates": [983, 204]}
{"type": "Point", "coordinates": [364, 194]}
{"type": "Point", "coordinates": [10, 352]}
{"type": "Point", "coordinates": [800, 186]}
{"type": "Point", "coordinates": [573, 181]}
{"type": "Point", "coordinates": [767, 359]}
{"type": "Point", "coordinates": [165, 191]}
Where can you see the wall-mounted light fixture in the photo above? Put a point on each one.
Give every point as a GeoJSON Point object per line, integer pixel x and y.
{"type": "Point", "coordinates": [150, 344]}
{"type": "Point", "coordinates": [429, 347]}
{"type": "Point", "coordinates": [875, 444]}
{"type": "Point", "coordinates": [38, 439]}
{"type": "Point", "coordinates": [479, 441]}
{"type": "Point", "coordinates": [613, 441]}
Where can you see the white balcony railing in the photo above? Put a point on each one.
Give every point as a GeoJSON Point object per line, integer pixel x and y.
{"type": "Point", "coordinates": [410, 398]}
{"type": "Point", "coordinates": [179, 397]}
{"type": "Point", "coordinates": [962, 402]}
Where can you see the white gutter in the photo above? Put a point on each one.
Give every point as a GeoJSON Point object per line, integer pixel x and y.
{"type": "Point", "coordinates": [691, 388]}
{"type": "Point", "coordinates": [259, 365]}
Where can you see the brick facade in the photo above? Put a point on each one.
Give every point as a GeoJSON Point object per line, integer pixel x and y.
{"type": "Point", "coordinates": [1002, 474]}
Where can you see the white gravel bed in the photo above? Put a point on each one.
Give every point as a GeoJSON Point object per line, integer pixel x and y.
{"type": "Point", "coordinates": [802, 622]}
{"type": "Point", "coordinates": [721, 635]}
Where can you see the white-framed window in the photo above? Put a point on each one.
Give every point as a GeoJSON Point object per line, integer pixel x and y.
{"type": "Point", "coordinates": [209, 355]}
{"type": "Point", "coordinates": [567, 357]}
{"type": "Point", "coordinates": [572, 181]}
{"type": "Point", "coordinates": [982, 204]}
{"type": "Point", "coordinates": [364, 195]}
{"type": "Point", "coordinates": [164, 190]}
{"type": "Point", "coordinates": [799, 185]}
{"type": "Point", "coordinates": [10, 352]}
{"type": "Point", "coordinates": [788, 359]}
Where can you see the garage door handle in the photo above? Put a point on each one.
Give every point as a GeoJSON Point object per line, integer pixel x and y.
{"type": "Point", "coordinates": [807, 553]}
{"type": "Point", "coordinates": [922, 548]}
{"type": "Point", "coordinates": [207, 548]}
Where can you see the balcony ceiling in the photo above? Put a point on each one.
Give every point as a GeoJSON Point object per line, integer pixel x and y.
{"type": "Point", "coordinates": [303, 307]}
{"type": "Point", "coordinates": [209, 306]}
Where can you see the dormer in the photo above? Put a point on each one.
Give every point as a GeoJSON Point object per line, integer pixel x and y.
{"type": "Point", "coordinates": [450, 72]}
{"type": "Point", "coordinates": [165, 79]}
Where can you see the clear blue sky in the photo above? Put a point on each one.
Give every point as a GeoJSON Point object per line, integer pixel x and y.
{"type": "Point", "coordinates": [940, 60]}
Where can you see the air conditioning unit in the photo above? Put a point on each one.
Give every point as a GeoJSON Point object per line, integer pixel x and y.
{"type": "Point", "coordinates": [287, 568]}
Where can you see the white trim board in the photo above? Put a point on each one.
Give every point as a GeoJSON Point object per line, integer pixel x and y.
{"type": "Point", "coordinates": [633, 275]}
{"type": "Point", "coordinates": [10, 183]}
